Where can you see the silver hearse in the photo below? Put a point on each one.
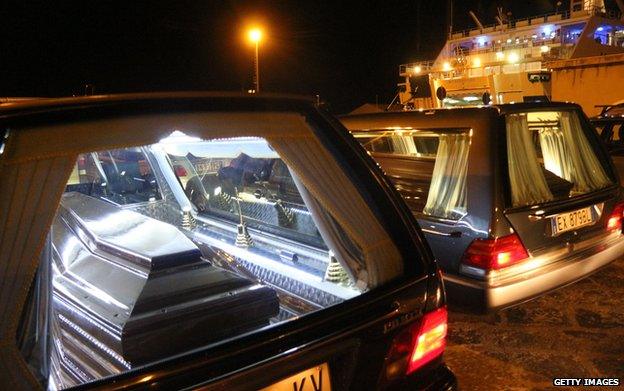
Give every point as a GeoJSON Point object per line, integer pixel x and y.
{"type": "Point", "coordinates": [515, 200]}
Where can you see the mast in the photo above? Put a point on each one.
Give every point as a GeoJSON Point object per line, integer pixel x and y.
{"type": "Point", "coordinates": [450, 18]}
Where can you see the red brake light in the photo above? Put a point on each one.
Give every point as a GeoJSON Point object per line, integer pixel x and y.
{"type": "Point", "coordinates": [180, 171]}
{"type": "Point", "coordinates": [421, 343]}
{"type": "Point", "coordinates": [495, 253]}
{"type": "Point", "coordinates": [615, 219]}
{"type": "Point", "coordinates": [81, 162]}
{"type": "Point", "coordinates": [431, 340]}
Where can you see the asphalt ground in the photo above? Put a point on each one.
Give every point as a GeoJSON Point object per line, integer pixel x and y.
{"type": "Point", "coordinates": [574, 332]}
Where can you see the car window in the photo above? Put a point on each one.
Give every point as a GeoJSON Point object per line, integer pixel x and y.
{"type": "Point", "coordinates": [615, 111]}
{"type": "Point", "coordinates": [432, 177]}
{"type": "Point", "coordinates": [169, 240]}
{"type": "Point", "coordinates": [415, 144]}
{"type": "Point", "coordinates": [550, 158]}
{"type": "Point", "coordinates": [122, 176]}
{"type": "Point", "coordinates": [244, 179]}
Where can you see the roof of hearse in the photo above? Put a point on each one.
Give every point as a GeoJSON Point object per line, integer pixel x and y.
{"type": "Point", "coordinates": [458, 116]}
{"type": "Point", "coordinates": [183, 100]}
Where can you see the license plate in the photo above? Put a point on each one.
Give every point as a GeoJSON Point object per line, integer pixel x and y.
{"type": "Point", "coordinates": [313, 379]}
{"type": "Point", "coordinates": [210, 167]}
{"type": "Point", "coordinates": [571, 220]}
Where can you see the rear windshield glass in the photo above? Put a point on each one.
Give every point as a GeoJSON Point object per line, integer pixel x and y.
{"type": "Point", "coordinates": [121, 176]}
{"type": "Point", "coordinates": [192, 242]}
{"type": "Point", "coordinates": [244, 179]}
{"type": "Point", "coordinates": [550, 158]}
{"type": "Point", "coordinates": [428, 167]}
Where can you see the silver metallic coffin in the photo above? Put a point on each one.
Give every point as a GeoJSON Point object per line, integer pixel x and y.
{"type": "Point", "coordinates": [129, 289]}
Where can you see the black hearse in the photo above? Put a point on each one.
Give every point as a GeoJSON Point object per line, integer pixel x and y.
{"type": "Point", "coordinates": [177, 241]}
{"type": "Point", "coordinates": [515, 200]}
{"type": "Point", "coordinates": [610, 125]}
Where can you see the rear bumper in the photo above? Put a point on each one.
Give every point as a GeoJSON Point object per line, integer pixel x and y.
{"type": "Point", "coordinates": [440, 379]}
{"type": "Point", "coordinates": [485, 295]}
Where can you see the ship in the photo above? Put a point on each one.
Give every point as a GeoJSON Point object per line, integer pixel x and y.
{"type": "Point", "coordinates": [575, 54]}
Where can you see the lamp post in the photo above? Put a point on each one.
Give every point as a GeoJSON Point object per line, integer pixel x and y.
{"type": "Point", "coordinates": [255, 36]}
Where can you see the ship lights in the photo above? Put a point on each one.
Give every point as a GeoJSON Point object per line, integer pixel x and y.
{"type": "Point", "coordinates": [417, 69]}
{"type": "Point", "coordinates": [476, 62]}
{"type": "Point", "coordinates": [500, 56]}
{"type": "Point", "coordinates": [544, 49]}
{"type": "Point", "coordinates": [446, 66]}
{"type": "Point", "coordinates": [513, 58]}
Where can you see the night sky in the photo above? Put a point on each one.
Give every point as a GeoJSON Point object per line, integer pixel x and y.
{"type": "Point", "coordinates": [347, 52]}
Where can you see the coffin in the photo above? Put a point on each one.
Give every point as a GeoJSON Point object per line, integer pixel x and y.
{"type": "Point", "coordinates": [128, 289]}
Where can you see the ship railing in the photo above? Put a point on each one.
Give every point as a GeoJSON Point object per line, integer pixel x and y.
{"type": "Point", "coordinates": [525, 51]}
{"type": "Point", "coordinates": [504, 46]}
{"type": "Point", "coordinates": [550, 17]}
{"type": "Point", "coordinates": [544, 18]}
{"type": "Point", "coordinates": [414, 68]}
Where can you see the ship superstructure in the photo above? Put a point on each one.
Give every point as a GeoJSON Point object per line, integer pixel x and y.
{"type": "Point", "coordinates": [509, 61]}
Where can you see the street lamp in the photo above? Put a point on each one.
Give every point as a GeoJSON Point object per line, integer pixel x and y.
{"type": "Point", "coordinates": [255, 36]}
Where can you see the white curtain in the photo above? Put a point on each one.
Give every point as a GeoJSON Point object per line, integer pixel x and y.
{"type": "Point", "coordinates": [447, 191]}
{"type": "Point", "coordinates": [341, 246]}
{"type": "Point", "coordinates": [528, 185]}
{"type": "Point", "coordinates": [29, 196]}
{"type": "Point", "coordinates": [587, 173]}
{"type": "Point", "coordinates": [320, 175]}
{"type": "Point", "coordinates": [403, 145]}
{"type": "Point", "coordinates": [554, 153]}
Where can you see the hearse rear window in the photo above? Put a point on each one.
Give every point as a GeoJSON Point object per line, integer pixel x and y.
{"type": "Point", "coordinates": [163, 248]}
{"type": "Point", "coordinates": [550, 158]}
{"type": "Point", "coordinates": [428, 167]}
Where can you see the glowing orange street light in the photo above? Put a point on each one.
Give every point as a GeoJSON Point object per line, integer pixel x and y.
{"type": "Point", "coordinates": [255, 36]}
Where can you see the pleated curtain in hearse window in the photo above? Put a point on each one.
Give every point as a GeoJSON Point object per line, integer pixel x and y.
{"type": "Point", "coordinates": [447, 193]}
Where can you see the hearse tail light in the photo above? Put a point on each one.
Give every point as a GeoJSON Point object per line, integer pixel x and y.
{"type": "Point", "coordinates": [420, 344]}
{"type": "Point", "coordinates": [615, 220]}
{"type": "Point", "coordinates": [82, 162]}
{"type": "Point", "coordinates": [180, 171]}
{"type": "Point", "coordinates": [493, 254]}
